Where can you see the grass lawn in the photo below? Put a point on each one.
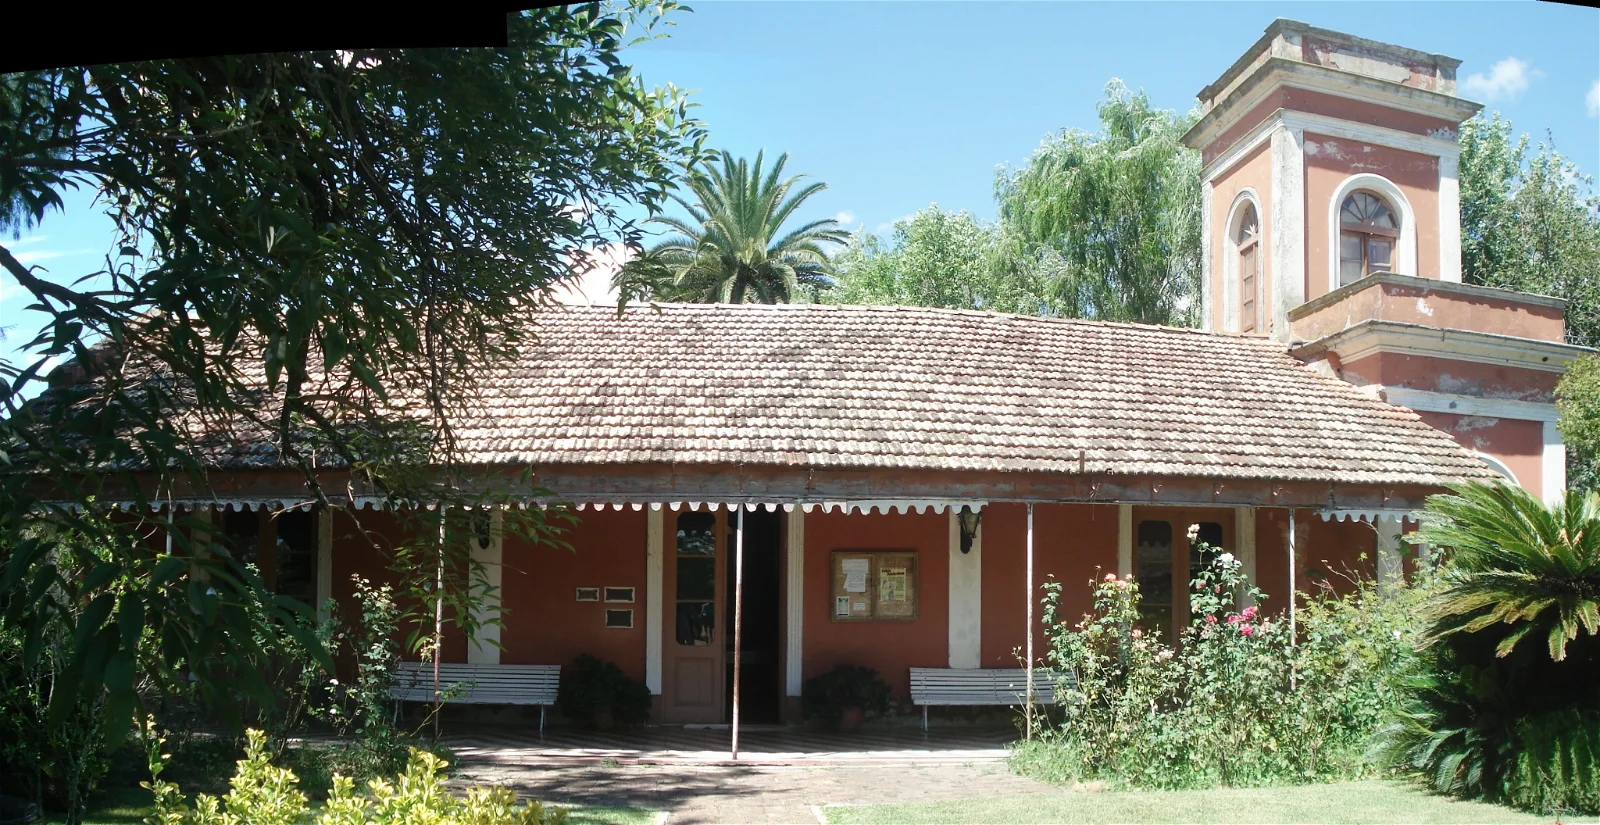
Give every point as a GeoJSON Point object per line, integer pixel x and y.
{"type": "Point", "coordinates": [129, 806]}
{"type": "Point", "coordinates": [1347, 802]}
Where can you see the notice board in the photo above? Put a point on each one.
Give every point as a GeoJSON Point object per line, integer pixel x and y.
{"type": "Point", "coordinates": [874, 586]}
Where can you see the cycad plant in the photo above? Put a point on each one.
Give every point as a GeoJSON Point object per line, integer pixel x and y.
{"type": "Point", "coordinates": [1507, 704]}
{"type": "Point", "coordinates": [732, 247]}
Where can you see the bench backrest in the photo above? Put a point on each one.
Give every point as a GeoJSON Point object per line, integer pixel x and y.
{"type": "Point", "coordinates": [980, 686]}
{"type": "Point", "coordinates": [484, 684]}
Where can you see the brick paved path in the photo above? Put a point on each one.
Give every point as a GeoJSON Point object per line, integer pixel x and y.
{"type": "Point", "coordinates": [718, 794]}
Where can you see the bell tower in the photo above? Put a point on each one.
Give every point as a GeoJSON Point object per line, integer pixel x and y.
{"type": "Point", "coordinates": [1331, 220]}
{"type": "Point", "coordinates": [1326, 158]}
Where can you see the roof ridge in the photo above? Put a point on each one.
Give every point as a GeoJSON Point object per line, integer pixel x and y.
{"type": "Point", "coordinates": [946, 311]}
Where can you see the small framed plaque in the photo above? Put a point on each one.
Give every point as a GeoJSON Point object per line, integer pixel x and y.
{"type": "Point", "coordinates": [622, 618]}
{"type": "Point", "coordinates": [619, 594]}
{"type": "Point", "coordinates": [588, 594]}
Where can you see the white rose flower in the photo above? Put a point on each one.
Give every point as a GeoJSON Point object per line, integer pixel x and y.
{"type": "Point", "coordinates": [1194, 532]}
{"type": "Point", "coordinates": [1227, 558]}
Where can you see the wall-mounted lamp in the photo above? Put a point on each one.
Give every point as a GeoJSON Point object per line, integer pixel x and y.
{"type": "Point", "coordinates": [969, 520]}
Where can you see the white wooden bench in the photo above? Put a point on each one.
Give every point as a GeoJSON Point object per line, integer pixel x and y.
{"type": "Point", "coordinates": [480, 684]}
{"type": "Point", "coordinates": [979, 686]}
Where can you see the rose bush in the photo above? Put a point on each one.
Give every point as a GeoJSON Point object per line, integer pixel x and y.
{"type": "Point", "coordinates": [1236, 701]}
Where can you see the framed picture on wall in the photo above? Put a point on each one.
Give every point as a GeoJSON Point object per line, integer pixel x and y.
{"type": "Point", "coordinates": [588, 594]}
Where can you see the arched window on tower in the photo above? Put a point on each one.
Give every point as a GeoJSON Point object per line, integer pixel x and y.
{"type": "Point", "coordinates": [1368, 232]}
{"type": "Point", "coordinates": [1248, 240]}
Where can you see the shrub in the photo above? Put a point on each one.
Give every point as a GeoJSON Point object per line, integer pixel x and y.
{"type": "Point", "coordinates": [593, 691]}
{"type": "Point", "coordinates": [826, 696]}
{"type": "Point", "coordinates": [1507, 705]}
{"type": "Point", "coordinates": [1235, 702]}
{"type": "Point", "coordinates": [262, 794]}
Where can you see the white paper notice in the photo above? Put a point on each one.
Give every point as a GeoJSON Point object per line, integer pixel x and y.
{"type": "Point", "coordinates": [855, 575]}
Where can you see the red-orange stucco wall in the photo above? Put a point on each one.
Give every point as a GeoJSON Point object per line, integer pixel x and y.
{"type": "Point", "coordinates": [1517, 444]}
{"type": "Point", "coordinates": [1420, 372]}
{"type": "Point", "coordinates": [1254, 172]}
{"type": "Point", "coordinates": [545, 624]}
{"type": "Point", "coordinates": [1071, 544]}
{"type": "Point", "coordinates": [889, 647]}
{"type": "Point", "coordinates": [1329, 161]}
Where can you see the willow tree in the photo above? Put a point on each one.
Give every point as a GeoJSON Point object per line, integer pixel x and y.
{"type": "Point", "coordinates": [320, 249]}
{"type": "Point", "coordinates": [935, 258]}
{"type": "Point", "coordinates": [1108, 223]}
{"type": "Point", "coordinates": [1530, 222]}
{"type": "Point", "coordinates": [732, 247]}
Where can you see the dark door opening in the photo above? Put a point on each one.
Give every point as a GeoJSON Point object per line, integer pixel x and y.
{"type": "Point", "coordinates": [760, 678]}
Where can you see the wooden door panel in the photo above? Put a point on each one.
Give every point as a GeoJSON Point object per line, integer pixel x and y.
{"type": "Point", "coordinates": [695, 681]}
{"type": "Point", "coordinates": [693, 585]}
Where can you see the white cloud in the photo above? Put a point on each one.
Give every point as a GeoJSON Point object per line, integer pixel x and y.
{"type": "Point", "coordinates": [33, 256]}
{"type": "Point", "coordinates": [845, 217]}
{"type": "Point", "coordinates": [888, 226]}
{"type": "Point", "coordinates": [1506, 80]}
{"type": "Point", "coordinates": [1593, 99]}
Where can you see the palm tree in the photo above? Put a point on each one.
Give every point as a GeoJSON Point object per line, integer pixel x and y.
{"type": "Point", "coordinates": [1486, 715]}
{"type": "Point", "coordinates": [729, 249]}
{"type": "Point", "coordinates": [1518, 568]}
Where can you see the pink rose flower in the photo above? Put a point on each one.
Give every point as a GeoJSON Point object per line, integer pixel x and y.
{"type": "Point", "coordinates": [1111, 577]}
{"type": "Point", "coordinates": [1246, 630]}
{"type": "Point", "coordinates": [1211, 620]}
{"type": "Point", "coordinates": [1137, 633]}
{"type": "Point", "coordinates": [1234, 619]}
{"type": "Point", "coordinates": [1249, 613]}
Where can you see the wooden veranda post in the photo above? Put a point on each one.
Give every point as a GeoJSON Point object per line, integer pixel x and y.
{"type": "Point", "coordinates": [1027, 710]}
{"type": "Point", "coordinates": [738, 622]}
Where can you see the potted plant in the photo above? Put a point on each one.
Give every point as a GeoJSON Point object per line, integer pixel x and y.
{"type": "Point", "coordinates": [598, 694]}
{"type": "Point", "coordinates": [844, 697]}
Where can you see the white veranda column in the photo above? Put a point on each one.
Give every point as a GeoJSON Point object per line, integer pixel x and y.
{"type": "Point", "coordinates": [1390, 569]}
{"type": "Point", "coordinates": [1244, 538]}
{"type": "Point", "coordinates": [966, 596]}
{"type": "Point", "coordinates": [485, 647]}
{"type": "Point", "coordinates": [324, 560]}
{"type": "Point", "coordinates": [794, 660]}
{"type": "Point", "coordinates": [1553, 469]}
{"type": "Point", "coordinates": [1124, 540]}
{"type": "Point", "coordinates": [654, 609]}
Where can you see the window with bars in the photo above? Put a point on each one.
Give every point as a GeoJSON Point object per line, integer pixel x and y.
{"type": "Point", "coordinates": [1368, 233]}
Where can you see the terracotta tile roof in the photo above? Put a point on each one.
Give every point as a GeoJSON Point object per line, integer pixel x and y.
{"type": "Point", "coordinates": [930, 389]}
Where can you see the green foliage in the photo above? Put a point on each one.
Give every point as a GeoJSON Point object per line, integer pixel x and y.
{"type": "Point", "coordinates": [592, 690]}
{"type": "Point", "coordinates": [1236, 702]}
{"type": "Point", "coordinates": [54, 760]}
{"type": "Point", "coordinates": [361, 711]}
{"type": "Point", "coordinates": [826, 696]}
{"type": "Point", "coordinates": [733, 247]}
{"type": "Point", "coordinates": [366, 230]}
{"type": "Point", "coordinates": [938, 259]}
{"type": "Point", "coordinates": [1578, 402]}
{"type": "Point", "coordinates": [1518, 569]}
{"type": "Point", "coordinates": [1507, 705]}
{"type": "Point", "coordinates": [263, 794]}
{"type": "Point", "coordinates": [1531, 223]}
{"type": "Point", "coordinates": [1107, 225]}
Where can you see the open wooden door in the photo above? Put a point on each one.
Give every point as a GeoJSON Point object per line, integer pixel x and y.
{"type": "Point", "coordinates": [693, 666]}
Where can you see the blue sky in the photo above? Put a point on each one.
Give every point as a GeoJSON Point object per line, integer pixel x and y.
{"type": "Point", "coordinates": [896, 105]}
